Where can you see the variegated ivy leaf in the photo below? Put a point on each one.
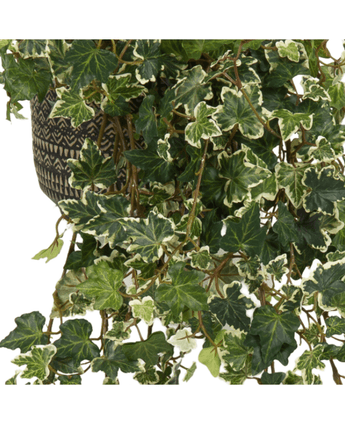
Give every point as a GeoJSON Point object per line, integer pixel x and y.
{"type": "Point", "coordinates": [309, 360]}
{"type": "Point", "coordinates": [290, 123]}
{"type": "Point", "coordinates": [326, 191]}
{"type": "Point", "coordinates": [290, 178]}
{"type": "Point", "coordinates": [322, 152]}
{"type": "Point", "coordinates": [149, 52]}
{"type": "Point", "coordinates": [267, 189]}
{"type": "Point", "coordinates": [203, 127]}
{"type": "Point", "coordinates": [13, 380]}
{"type": "Point", "coordinates": [72, 105]}
{"type": "Point", "coordinates": [108, 223]}
{"type": "Point", "coordinates": [246, 235]}
{"type": "Point", "coordinates": [89, 63]}
{"type": "Point", "coordinates": [91, 168]}
{"type": "Point", "coordinates": [337, 94]}
{"type": "Point", "coordinates": [143, 309]}
{"type": "Point", "coordinates": [276, 267]}
{"type": "Point", "coordinates": [285, 227]}
{"type": "Point", "coordinates": [237, 111]}
{"type": "Point", "coordinates": [149, 349]}
{"type": "Point", "coordinates": [241, 176]}
{"type": "Point", "coordinates": [29, 332]}
{"type": "Point", "coordinates": [327, 281]}
{"type": "Point", "coordinates": [201, 259]}
{"type": "Point", "coordinates": [249, 267]}
{"type": "Point", "coordinates": [149, 234]}
{"type": "Point", "coordinates": [237, 377]}
{"type": "Point", "coordinates": [182, 340]}
{"type": "Point", "coordinates": [274, 330]}
{"type": "Point", "coordinates": [232, 308]}
{"type": "Point", "coordinates": [288, 49]}
{"type": "Point", "coordinates": [82, 210]}
{"type": "Point", "coordinates": [183, 290]}
{"type": "Point", "coordinates": [236, 352]}
{"type": "Point", "coordinates": [191, 90]}
{"type": "Point", "coordinates": [51, 252]}
{"type": "Point", "coordinates": [209, 357]}
{"type": "Point", "coordinates": [119, 91]}
{"type": "Point", "coordinates": [74, 344]}
{"type": "Point", "coordinates": [312, 89]}
{"type": "Point", "coordinates": [335, 325]}
{"type": "Point", "coordinates": [103, 285]}
{"type": "Point", "coordinates": [32, 48]}
{"type": "Point", "coordinates": [120, 331]}
{"type": "Point", "coordinates": [113, 360]}
{"type": "Point", "coordinates": [36, 361]}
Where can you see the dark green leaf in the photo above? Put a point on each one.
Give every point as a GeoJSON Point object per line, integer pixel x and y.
{"type": "Point", "coordinates": [149, 349]}
{"type": "Point", "coordinates": [27, 333]}
{"type": "Point", "coordinates": [285, 226]}
{"type": "Point", "coordinates": [275, 378]}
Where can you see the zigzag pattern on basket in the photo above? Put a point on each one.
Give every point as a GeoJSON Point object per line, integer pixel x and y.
{"type": "Point", "coordinates": [55, 141]}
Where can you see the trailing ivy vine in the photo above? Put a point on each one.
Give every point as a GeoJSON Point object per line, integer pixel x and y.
{"type": "Point", "coordinates": [239, 189]}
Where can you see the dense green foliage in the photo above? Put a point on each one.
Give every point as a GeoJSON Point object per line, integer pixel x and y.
{"type": "Point", "coordinates": [239, 189]}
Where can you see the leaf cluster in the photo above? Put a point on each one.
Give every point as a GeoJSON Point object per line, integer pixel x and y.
{"type": "Point", "coordinates": [238, 189]}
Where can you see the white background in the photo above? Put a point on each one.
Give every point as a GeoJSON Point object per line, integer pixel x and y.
{"type": "Point", "coordinates": [27, 225]}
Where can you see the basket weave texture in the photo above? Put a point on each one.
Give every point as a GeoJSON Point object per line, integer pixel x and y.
{"type": "Point", "coordinates": [55, 141]}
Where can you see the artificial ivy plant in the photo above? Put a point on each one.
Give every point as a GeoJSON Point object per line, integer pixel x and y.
{"type": "Point", "coordinates": [239, 189]}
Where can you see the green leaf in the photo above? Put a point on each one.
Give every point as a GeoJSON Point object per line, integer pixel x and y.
{"type": "Point", "coordinates": [335, 325]}
{"type": "Point", "coordinates": [212, 184]}
{"type": "Point", "coordinates": [103, 285]}
{"type": "Point", "coordinates": [245, 235]}
{"type": "Point", "coordinates": [195, 48]}
{"type": "Point", "coordinates": [36, 361]}
{"type": "Point", "coordinates": [156, 169]}
{"type": "Point", "coordinates": [66, 301]}
{"type": "Point", "coordinates": [91, 168]}
{"type": "Point", "coordinates": [27, 333]}
{"type": "Point", "coordinates": [108, 222]}
{"type": "Point", "coordinates": [276, 267]}
{"type": "Point", "coordinates": [113, 360]}
{"type": "Point", "coordinates": [70, 379]}
{"type": "Point", "coordinates": [203, 127]}
{"type": "Point", "coordinates": [236, 352]}
{"type": "Point", "coordinates": [327, 280]}
{"type": "Point", "coordinates": [312, 89]}
{"type": "Point", "coordinates": [309, 360]}
{"type": "Point", "coordinates": [232, 309]}
{"type": "Point", "coordinates": [285, 226]}
{"type": "Point", "coordinates": [322, 152]}
{"type": "Point", "coordinates": [74, 344]}
{"type": "Point", "coordinates": [236, 110]}
{"type": "Point", "coordinates": [89, 63]}
{"type": "Point", "coordinates": [274, 330]}
{"type": "Point", "coordinates": [147, 123]}
{"type": "Point", "coordinates": [290, 123]}
{"type": "Point", "coordinates": [191, 90]}
{"type": "Point", "coordinates": [149, 52]}
{"type": "Point", "coordinates": [143, 309]}
{"type": "Point", "coordinates": [184, 290]}
{"type": "Point", "coordinates": [234, 377]}
{"type": "Point", "coordinates": [337, 94]}
{"type": "Point", "coordinates": [190, 372]}
{"type": "Point", "coordinates": [51, 252]}
{"type": "Point", "coordinates": [24, 78]}
{"type": "Point", "coordinates": [149, 234]}
{"type": "Point", "coordinates": [326, 190]}
{"type": "Point", "coordinates": [209, 357]}
{"type": "Point", "coordinates": [149, 349]}
{"type": "Point", "coordinates": [275, 378]}
{"type": "Point", "coordinates": [241, 176]}
{"type": "Point", "coordinates": [72, 105]}
{"type": "Point", "coordinates": [290, 178]}
{"type": "Point", "coordinates": [311, 232]}
{"type": "Point", "coordinates": [32, 48]}
{"type": "Point", "coordinates": [201, 259]}
{"type": "Point", "coordinates": [288, 49]}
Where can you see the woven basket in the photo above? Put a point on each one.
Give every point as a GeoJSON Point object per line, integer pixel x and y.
{"type": "Point", "coordinates": [55, 141]}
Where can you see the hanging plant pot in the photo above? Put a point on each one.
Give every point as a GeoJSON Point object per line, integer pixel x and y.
{"type": "Point", "coordinates": [55, 140]}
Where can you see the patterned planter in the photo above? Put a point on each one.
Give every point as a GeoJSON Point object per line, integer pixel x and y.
{"type": "Point", "coordinates": [55, 141]}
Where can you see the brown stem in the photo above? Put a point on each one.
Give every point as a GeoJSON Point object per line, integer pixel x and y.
{"type": "Point", "coordinates": [336, 376]}
{"type": "Point", "coordinates": [101, 131]}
